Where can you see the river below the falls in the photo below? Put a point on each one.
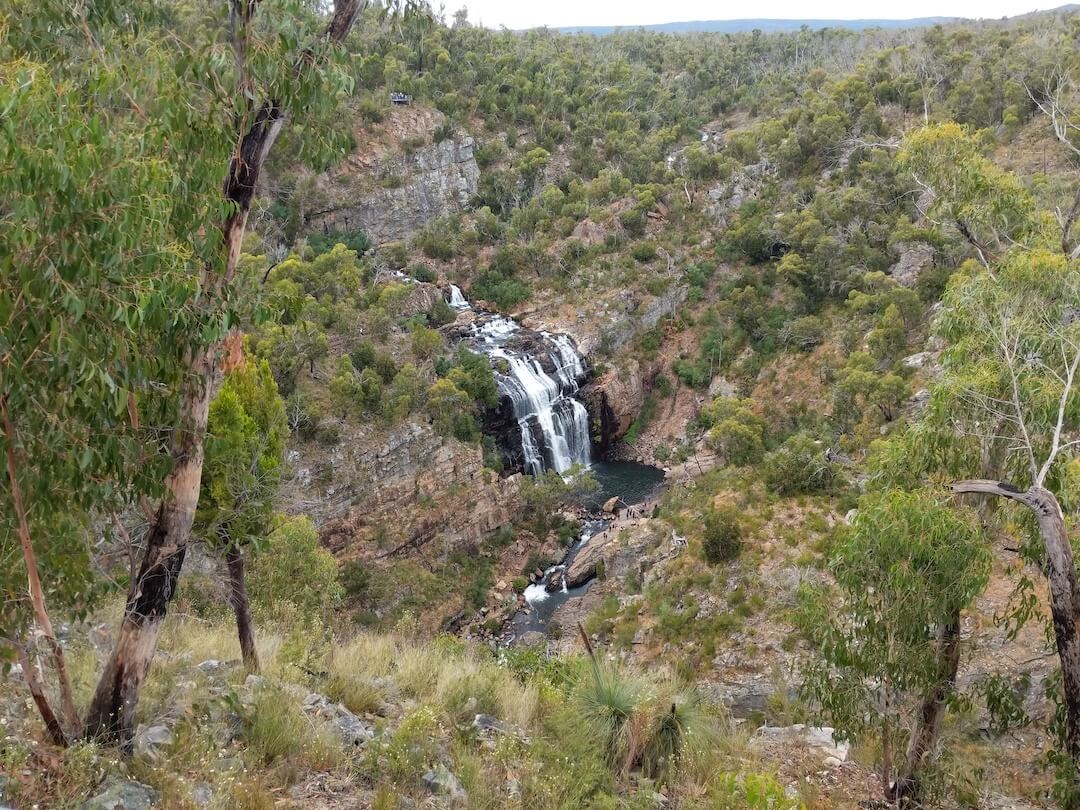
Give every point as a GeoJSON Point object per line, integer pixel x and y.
{"type": "Point", "coordinates": [634, 484]}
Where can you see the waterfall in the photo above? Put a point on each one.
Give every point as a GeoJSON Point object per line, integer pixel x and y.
{"type": "Point", "coordinates": [457, 300]}
{"type": "Point", "coordinates": [553, 424]}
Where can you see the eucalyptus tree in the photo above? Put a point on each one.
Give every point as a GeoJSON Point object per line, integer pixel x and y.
{"type": "Point", "coordinates": [263, 74]}
{"type": "Point", "coordinates": [1005, 416]}
{"type": "Point", "coordinates": [963, 189]}
{"type": "Point", "coordinates": [133, 140]}
{"type": "Point", "coordinates": [906, 568]}
{"type": "Point", "coordinates": [1012, 383]}
{"type": "Point", "coordinates": [107, 183]}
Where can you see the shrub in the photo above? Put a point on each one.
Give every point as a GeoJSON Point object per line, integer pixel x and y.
{"type": "Point", "coordinates": [662, 386]}
{"type": "Point", "coordinates": [440, 313]}
{"type": "Point", "coordinates": [328, 434]}
{"type": "Point", "coordinates": [644, 252]}
{"type": "Point", "coordinates": [371, 110]}
{"type": "Point", "coordinates": [738, 442]}
{"type": "Point", "coordinates": [354, 240]}
{"type": "Point", "coordinates": [425, 342]}
{"type": "Point", "coordinates": [721, 535]}
{"type": "Point", "coordinates": [276, 729]}
{"type": "Point", "coordinates": [803, 334]}
{"type": "Point", "coordinates": [362, 355]}
{"type": "Point", "coordinates": [421, 272]}
{"type": "Point", "coordinates": [503, 292]}
{"type": "Point", "coordinates": [302, 416]}
{"type": "Point", "coordinates": [798, 466]}
{"type": "Point", "coordinates": [737, 432]}
{"type": "Point", "coordinates": [355, 579]}
{"type": "Point", "coordinates": [296, 570]}
{"type": "Point", "coordinates": [437, 241]}
{"type": "Point", "coordinates": [359, 696]}
{"type": "Point", "coordinates": [443, 132]}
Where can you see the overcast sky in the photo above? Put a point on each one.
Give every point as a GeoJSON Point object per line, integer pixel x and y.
{"type": "Point", "coordinates": [555, 13]}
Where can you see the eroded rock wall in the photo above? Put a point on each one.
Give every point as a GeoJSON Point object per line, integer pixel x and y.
{"type": "Point", "coordinates": [402, 489]}
{"type": "Point", "coordinates": [433, 182]}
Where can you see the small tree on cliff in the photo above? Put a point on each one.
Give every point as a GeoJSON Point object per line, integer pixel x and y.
{"type": "Point", "coordinates": [906, 568]}
{"type": "Point", "coordinates": [245, 442]}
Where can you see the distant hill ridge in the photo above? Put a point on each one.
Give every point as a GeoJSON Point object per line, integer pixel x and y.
{"type": "Point", "coordinates": [774, 25]}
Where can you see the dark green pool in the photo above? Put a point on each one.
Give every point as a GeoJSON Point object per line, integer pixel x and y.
{"type": "Point", "coordinates": [631, 481]}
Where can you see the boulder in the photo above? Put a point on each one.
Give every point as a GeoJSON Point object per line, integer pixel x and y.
{"type": "Point", "coordinates": [202, 794]}
{"type": "Point", "coordinates": [442, 782]}
{"type": "Point", "coordinates": [151, 740]}
{"type": "Point", "coordinates": [585, 563]}
{"type": "Point", "coordinates": [353, 731]}
{"type": "Point", "coordinates": [485, 722]}
{"type": "Point", "coordinates": [917, 360]}
{"type": "Point", "coordinates": [122, 794]}
{"type": "Point", "coordinates": [721, 386]}
{"type": "Point", "coordinates": [611, 504]}
{"type": "Point", "coordinates": [555, 582]}
{"type": "Point", "coordinates": [531, 638]}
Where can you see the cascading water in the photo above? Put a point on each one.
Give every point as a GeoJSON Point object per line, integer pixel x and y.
{"type": "Point", "coordinates": [457, 300]}
{"type": "Point", "coordinates": [553, 424]}
{"type": "Point", "coordinates": [538, 374]}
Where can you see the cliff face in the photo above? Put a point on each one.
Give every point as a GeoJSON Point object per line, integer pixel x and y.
{"type": "Point", "coordinates": [614, 400]}
{"type": "Point", "coordinates": [417, 187]}
{"type": "Point", "coordinates": [600, 329]}
{"type": "Point", "coordinates": [375, 494]}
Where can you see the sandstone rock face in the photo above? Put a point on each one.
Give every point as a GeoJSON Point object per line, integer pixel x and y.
{"type": "Point", "coordinates": [434, 181]}
{"type": "Point", "coordinates": [614, 401]}
{"type": "Point", "coordinates": [620, 551]}
{"type": "Point", "coordinates": [743, 185]}
{"type": "Point", "coordinates": [612, 322]}
{"type": "Point", "coordinates": [409, 486]}
{"type": "Point", "coordinates": [914, 257]}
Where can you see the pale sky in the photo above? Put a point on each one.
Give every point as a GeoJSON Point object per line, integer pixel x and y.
{"type": "Point", "coordinates": [557, 13]}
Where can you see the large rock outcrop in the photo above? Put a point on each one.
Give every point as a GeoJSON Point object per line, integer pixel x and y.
{"type": "Point", "coordinates": [614, 401]}
{"type": "Point", "coordinates": [403, 489]}
{"type": "Point", "coordinates": [912, 259]}
{"type": "Point", "coordinates": [744, 184]}
{"type": "Point", "coordinates": [430, 183]}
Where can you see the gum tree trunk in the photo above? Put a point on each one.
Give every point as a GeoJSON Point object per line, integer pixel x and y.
{"type": "Point", "coordinates": [1064, 594]}
{"type": "Point", "coordinates": [112, 712]}
{"type": "Point", "coordinates": [928, 722]}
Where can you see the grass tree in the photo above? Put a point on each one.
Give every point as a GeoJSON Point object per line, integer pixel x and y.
{"type": "Point", "coordinates": [241, 476]}
{"type": "Point", "coordinates": [906, 568]}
